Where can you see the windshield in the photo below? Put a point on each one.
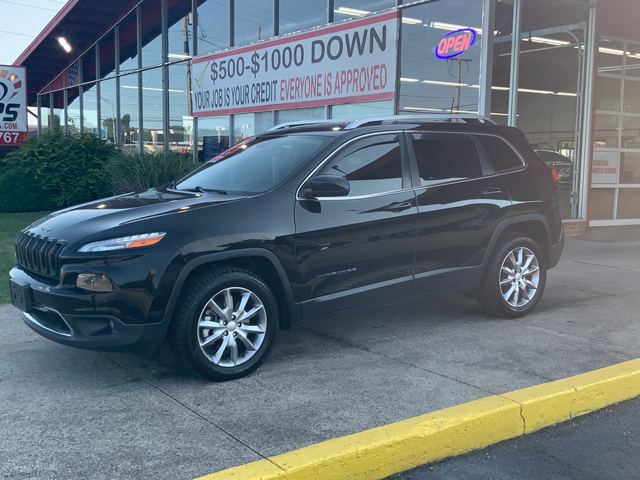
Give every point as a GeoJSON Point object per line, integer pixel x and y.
{"type": "Point", "coordinates": [257, 166]}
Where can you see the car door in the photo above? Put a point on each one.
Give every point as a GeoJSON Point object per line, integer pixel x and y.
{"type": "Point", "coordinates": [460, 203]}
{"type": "Point", "coordinates": [358, 249]}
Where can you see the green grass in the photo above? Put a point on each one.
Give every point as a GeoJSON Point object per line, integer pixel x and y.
{"type": "Point", "coordinates": [10, 226]}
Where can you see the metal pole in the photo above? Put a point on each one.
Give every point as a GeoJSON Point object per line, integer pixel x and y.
{"type": "Point", "coordinates": [232, 22]}
{"type": "Point", "coordinates": [165, 77]}
{"type": "Point", "coordinates": [515, 63]}
{"type": "Point", "coordinates": [65, 98]}
{"type": "Point", "coordinates": [39, 114]}
{"type": "Point", "coordinates": [52, 123]}
{"type": "Point", "coordinates": [117, 122]}
{"type": "Point", "coordinates": [587, 125]}
{"type": "Point", "coordinates": [140, 84]}
{"type": "Point", "coordinates": [80, 93]}
{"type": "Point", "coordinates": [194, 49]}
{"type": "Point", "coordinates": [98, 96]}
{"type": "Point", "coordinates": [396, 97]}
{"type": "Point", "coordinates": [486, 60]}
{"type": "Point", "coordinates": [276, 18]}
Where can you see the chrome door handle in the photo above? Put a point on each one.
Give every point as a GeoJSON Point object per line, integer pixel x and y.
{"type": "Point", "coordinates": [491, 191]}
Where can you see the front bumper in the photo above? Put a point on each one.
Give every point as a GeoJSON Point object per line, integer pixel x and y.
{"type": "Point", "coordinates": [76, 320]}
{"type": "Point", "coordinates": [556, 251]}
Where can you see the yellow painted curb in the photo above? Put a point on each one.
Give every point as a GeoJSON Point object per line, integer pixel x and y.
{"type": "Point", "coordinates": [383, 451]}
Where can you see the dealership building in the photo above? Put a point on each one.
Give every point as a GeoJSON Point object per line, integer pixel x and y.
{"type": "Point", "coordinates": [199, 76]}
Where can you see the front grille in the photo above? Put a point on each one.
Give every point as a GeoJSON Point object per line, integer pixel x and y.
{"type": "Point", "coordinates": [39, 254]}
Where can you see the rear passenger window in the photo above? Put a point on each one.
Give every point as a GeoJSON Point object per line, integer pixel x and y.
{"type": "Point", "coordinates": [502, 156]}
{"type": "Point", "coordinates": [371, 169]}
{"type": "Point", "coordinates": [446, 157]}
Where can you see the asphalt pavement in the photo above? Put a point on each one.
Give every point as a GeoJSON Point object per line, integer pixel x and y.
{"type": "Point", "coordinates": [73, 414]}
{"type": "Point", "coordinates": [603, 445]}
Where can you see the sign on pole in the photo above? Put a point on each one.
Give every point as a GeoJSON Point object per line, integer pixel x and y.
{"type": "Point", "coordinates": [13, 105]}
{"type": "Point", "coordinates": [349, 62]}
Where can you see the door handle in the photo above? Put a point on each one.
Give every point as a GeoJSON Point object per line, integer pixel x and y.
{"type": "Point", "coordinates": [397, 207]}
{"type": "Point", "coordinates": [491, 191]}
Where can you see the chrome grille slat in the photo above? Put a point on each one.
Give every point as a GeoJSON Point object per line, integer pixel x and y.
{"type": "Point", "coordinates": [39, 254]}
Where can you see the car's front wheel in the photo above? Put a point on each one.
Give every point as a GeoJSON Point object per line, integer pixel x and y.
{"type": "Point", "coordinates": [225, 325]}
{"type": "Point", "coordinates": [515, 277]}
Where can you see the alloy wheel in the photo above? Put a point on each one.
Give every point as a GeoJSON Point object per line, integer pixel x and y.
{"type": "Point", "coordinates": [519, 277]}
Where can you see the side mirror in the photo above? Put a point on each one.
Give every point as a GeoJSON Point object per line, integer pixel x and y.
{"type": "Point", "coordinates": [326, 186]}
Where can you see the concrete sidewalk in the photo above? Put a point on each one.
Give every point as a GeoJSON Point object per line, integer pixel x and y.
{"type": "Point", "coordinates": [67, 413]}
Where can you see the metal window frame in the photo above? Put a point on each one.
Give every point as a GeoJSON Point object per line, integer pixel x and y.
{"type": "Point", "coordinates": [117, 125]}
{"type": "Point", "coordinates": [98, 94]}
{"type": "Point", "coordinates": [165, 75]}
{"type": "Point", "coordinates": [140, 84]}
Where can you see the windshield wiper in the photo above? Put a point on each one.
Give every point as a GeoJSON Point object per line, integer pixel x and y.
{"type": "Point", "coordinates": [205, 190]}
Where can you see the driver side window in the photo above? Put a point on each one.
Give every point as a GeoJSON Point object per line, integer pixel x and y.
{"type": "Point", "coordinates": [371, 169]}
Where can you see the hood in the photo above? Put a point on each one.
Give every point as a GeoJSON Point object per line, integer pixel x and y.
{"type": "Point", "coordinates": [84, 220]}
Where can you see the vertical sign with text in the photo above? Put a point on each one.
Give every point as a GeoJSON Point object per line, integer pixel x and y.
{"type": "Point", "coordinates": [349, 62]}
{"type": "Point", "coordinates": [13, 105]}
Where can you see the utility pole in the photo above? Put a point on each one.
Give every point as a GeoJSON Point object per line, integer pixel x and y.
{"type": "Point", "coordinates": [185, 36]}
{"type": "Point", "coordinates": [459, 77]}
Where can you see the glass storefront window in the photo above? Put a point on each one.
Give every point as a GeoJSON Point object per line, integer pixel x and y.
{"type": "Point", "coordinates": [108, 110]}
{"type": "Point", "coordinates": [213, 136]}
{"type": "Point", "coordinates": [253, 21]}
{"type": "Point", "coordinates": [129, 122]}
{"type": "Point", "coordinates": [129, 44]}
{"type": "Point", "coordinates": [153, 136]}
{"type": "Point", "coordinates": [630, 168]}
{"type": "Point", "coordinates": [610, 56]}
{"type": "Point", "coordinates": [89, 110]}
{"type": "Point", "coordinates": [631, 132]}
{"type": "Point", "coordinates": [58, 111]}
{"type": "Point", "coordinates": [107, 55]}
{"type": "Point", "coordinates": [628, 203]}
{"type": "Point", "coordinates": [180, 119]}
{"type": "Point", "coordinates": [151, 34]}
{"type": "Point", "coordinates": [353, 111]}
{"type": "Point", "coordinates": [631, 96]}
{"type": "Point", "coordinates": [602, 200]}
{"type": "Point", "coordinates": [213, 26]}
{"type": "Point", "coordinates": [180, 34]}
{"type": "Point", "coordinates": [73, 111]}
{"type": "Point", "coordinates": [607, 131]}
{"type": "Point", "coordinates": [607, 94]}
{"type": "Point", "coordinates": [296, 114]}
{"type": "Point", "coordinates": [296, 15]}
{"type": "Point", "coordinates": [345, 9]}
{"type": "Point", "coordinates": [434, 85]}
{"type": "Point", "coordinates": [249, 124]}
{"type": "Point", "coordinates": [632, 61]}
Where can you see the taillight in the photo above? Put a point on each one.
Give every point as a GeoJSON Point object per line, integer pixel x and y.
{"type": "Point", "coordinates": [554, 174]}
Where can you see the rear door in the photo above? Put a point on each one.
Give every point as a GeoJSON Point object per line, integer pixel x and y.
{"type": "Point", "coordinates": [460, 203]}
{"type": "Point", "coordinates": [358, 249]}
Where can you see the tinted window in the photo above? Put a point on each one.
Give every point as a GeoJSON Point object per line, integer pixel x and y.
{"type": "Point", "coordinates": [373, 168]}
{"type": "Point", "coordinates": [446, 156]}
{"type": "Point", "coordinates": [501, 155]}
{"type": "Point", "coordinates": [257, 166]}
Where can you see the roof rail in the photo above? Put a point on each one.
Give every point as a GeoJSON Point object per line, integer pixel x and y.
{"type": "Point", "coordinates": [443, 117]}
{"type": "Point", "coordinates": [302, 123]}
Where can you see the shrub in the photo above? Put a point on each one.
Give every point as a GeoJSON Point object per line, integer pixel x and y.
{"type": "Point", "coordinates": [140, 171]}
{"type": "Point", "coordinates": [53, 171]}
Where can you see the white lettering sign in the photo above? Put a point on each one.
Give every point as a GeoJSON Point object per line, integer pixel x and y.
{"type": "Point", "coordinates": [350, 62]}
{"type": "Point", "coordinates": [13, 105]}
{"type": "Point", "coordinates": [604, 168]}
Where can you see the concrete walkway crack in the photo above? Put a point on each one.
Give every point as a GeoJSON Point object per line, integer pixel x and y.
{"type": "Point", "coordinates": [184, 405]}
{"type": "Point", "coordinates": [607, 266]}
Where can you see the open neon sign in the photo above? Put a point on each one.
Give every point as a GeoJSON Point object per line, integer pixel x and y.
{"type": "Point", "coordinates": [456, 43]}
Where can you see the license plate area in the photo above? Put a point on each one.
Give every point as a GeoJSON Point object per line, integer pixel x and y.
{"type": "Point", "coordinates": [21, 295]}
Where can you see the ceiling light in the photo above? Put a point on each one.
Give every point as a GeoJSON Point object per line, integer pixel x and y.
{"type": "Point", "coordinates": [548, 41]}
{"type": "Point", "coordinates": [409, 80]}
{"type": "Point", "coordinates": [411, 21]}
{"type": "Point", "coordinates": [176, 55]}
{"type": "Point", "coordinates": [351, 11]}
{"type": "Point", "coordinates": [453, 84]}
{"type": "Point", "coordinates": [420, 109]}
{"type": "Point", "coordinates": [63, 42]}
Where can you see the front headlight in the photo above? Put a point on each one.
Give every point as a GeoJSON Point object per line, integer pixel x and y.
{"type": "Point", "coordinates": [134, 241]}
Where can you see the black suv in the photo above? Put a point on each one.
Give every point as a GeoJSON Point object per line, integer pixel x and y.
{"type": "Point", "coordinates": [300, 221]}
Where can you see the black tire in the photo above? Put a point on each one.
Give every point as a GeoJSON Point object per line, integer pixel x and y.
{"type": "Point", "coordinates": [187, 333]}
{"type": "Point", "coordinates": [490, 294]}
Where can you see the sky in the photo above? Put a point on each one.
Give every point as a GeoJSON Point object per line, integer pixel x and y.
{"type": "Point", "coordinates": [22, 21]}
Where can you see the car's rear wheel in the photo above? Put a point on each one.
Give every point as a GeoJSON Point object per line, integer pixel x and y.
{"type": "Point", "coordinates": [515, 277]}
{"type": "Point", "coordinates": [225, 325]}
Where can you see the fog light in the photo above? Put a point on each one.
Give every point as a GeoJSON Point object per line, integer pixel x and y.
{"type": "Point", "coordinates": [95, 282]}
